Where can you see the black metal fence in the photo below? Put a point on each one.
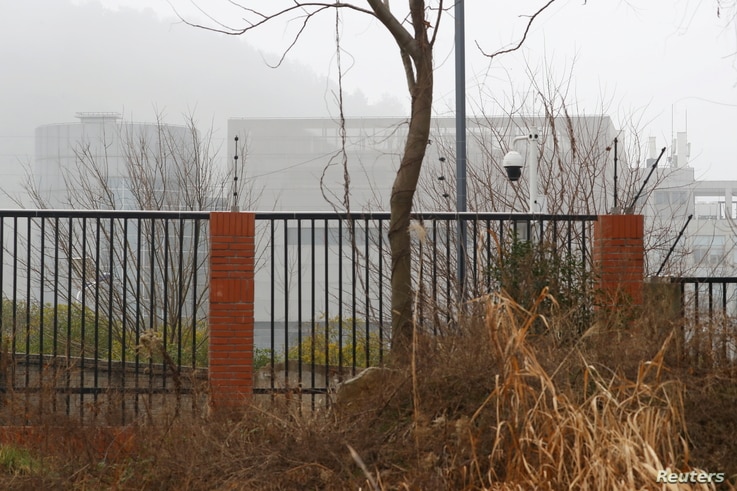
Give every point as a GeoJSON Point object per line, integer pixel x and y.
{"type": "Point", "coordinates": [709, 311]}
{"type": "Point", "coordinates": [322, 304]}
{"type": "Point", "coordinates": [103, 313]}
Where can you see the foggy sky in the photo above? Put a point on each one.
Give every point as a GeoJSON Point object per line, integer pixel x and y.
{"type": "Point", "coordinates": [655, 66]}
{"type": "Point", "coordinates": [666, 65]}
{"type": "Point", "coordinates": [57, 59]}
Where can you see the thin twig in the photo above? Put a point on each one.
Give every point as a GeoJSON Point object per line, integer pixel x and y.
{"type": "Point", "coordinates": [524, 36]}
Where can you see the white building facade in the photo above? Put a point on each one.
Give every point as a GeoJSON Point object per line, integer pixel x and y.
{"type": "Point", "coordinates": [302, 164]}
{"type": "Point", "coordinates": [104, 162]}
{"type": "Point", "coordinates": [101, 163]}
{"type": "Point", "coordinates": [708, 244]}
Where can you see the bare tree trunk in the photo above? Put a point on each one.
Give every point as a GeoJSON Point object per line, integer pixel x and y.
{"type": "Point", "coordinates": [403, 192]}
{"type": "Point", "coordinates": [416, 53]}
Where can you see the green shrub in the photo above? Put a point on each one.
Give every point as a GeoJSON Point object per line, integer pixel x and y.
{"type": "Point", "coordinates": [70, 330]}
{"type": "Point", "coordinates": [525, 268]}
{"type": "Point", "coordinates": [328, 347]}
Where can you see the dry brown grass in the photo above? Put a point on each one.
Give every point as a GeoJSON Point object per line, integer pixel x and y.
{"type": "Point", "coordinates": [488, 408]}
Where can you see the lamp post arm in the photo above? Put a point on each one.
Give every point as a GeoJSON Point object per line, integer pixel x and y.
{"type": "Point", "coordinates": [516, 140]}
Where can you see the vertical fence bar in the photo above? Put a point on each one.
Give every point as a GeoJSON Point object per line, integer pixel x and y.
{"type": "Point", "coordinates": [353, 294]}
{"type": "Point", "coordinates": [500, 252]}
{"type": "Point", "coordinates": [151, 305]}
{"type": "Point", "coordinates": [366, 287]}
{"type": "Point", "coordinates": [165, 305]}
{"type": "Point", "coordinates": [724, 323]}
{"type": "Point", "coordinates": [96, 335]}
{"type": "Point", "coordinates": [299, 307]}
{"type": "Point", "coordinates": [195, 227]}
{"type": "Point", "coordinates": [124, 320]}
{"type": "Point", "coordinates": [70, 298]}
{"type": "Point", "coordinates": [313, 341]}
{"type": "Point", "coordinates": [569, 256]}
{"type": "Point", "coordinates": [3, 325]}
{"type": "Point", "coordinates": [541, 231]}
{"type": "Point", "coordinates": [683, 325]}
{"type": "Point", "coordinates": [180, 295]}
{"type": "Point", "coordinates": [712, 348]}
{"type": "Point", "coordinates": [696, 309]}
{"type": "Point", "coordinates": [28, 311]}
{"type": "Point", "coordinates": [340, 297]}
{"type": "Point", "coordinates": [584, 249]}
{"type": "Point", "coordinates": [434, 279]}
{"type": "Point", "coordinates": [286, 303]}
{"type": "Point", "coordinates": [55, 350]}
{"type": "Point", "coordinates": [447, 273]}
{"type": "Point", "coordinates": [273, 303]}
{"type": "Point", "coordinates": [195, 309]}
{"type": "Point", "coordinates": [14, 329]}
{"type": "Point", "coordinates": [197, 223]}
{"type": "Point", "coordinates": [327, 306]}
{"type": "Point", "coordinates": [83, 320]}
{"type": "Point", "coordinates": [42, 266]}
{"type": "Point", "coordinates": [111, 315]}
{"type": "Point", "coordinates": [475, 259]}
{"type": "Point", "coordinates": [381, 291]}
{"type": "Point", "coordinates": [139, 267]}
{"type": "Point", "coordinates": [487, 266]}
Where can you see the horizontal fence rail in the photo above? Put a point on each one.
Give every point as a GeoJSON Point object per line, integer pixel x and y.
{"type": "Point", "coordinates": [322, 306]}
{"type": "Point", "coordinates": [103, 313]}
{"type": "Point", "coordinates": [709, 311]}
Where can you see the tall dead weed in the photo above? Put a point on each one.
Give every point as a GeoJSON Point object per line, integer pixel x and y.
{"type": "Point", "coordinates": [488, 407]}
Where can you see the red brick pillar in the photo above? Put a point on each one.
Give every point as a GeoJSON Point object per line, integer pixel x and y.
{"type": "Point", "coordinates": [619, 258]}
{"type": "Point", "coordinates": [232, 252]}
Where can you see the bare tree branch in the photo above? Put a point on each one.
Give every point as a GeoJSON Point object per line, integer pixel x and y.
{"type": "Point", "coordinates": [264, 18]}
{"type": "Point", "coordinates": [403, 38]}
{"type": "Point", "coordinates": [524, 36]}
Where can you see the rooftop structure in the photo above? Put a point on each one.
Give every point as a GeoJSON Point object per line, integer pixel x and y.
{"type": "Point", "coordinates": [300, 163]}
{"type": "Point", "coordinates": [104, 162]}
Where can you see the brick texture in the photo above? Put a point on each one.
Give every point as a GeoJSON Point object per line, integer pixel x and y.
{"type": "Point", "coordinates": [619, 258]}
{"type": "Point", "coordinates": [231, 309]}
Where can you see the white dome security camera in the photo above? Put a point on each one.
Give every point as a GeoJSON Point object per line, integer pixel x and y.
{"type": "Point", "coordinates": [513, 162]}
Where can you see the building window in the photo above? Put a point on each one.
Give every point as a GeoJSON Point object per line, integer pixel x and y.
{"type": "Point", "coordinates": [671, 198]}
{"type": "Point", "coordinates": [679, 197]}
{"type": "Point", "coordinates": [708, 250]}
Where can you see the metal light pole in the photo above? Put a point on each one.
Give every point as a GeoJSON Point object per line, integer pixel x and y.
{"type": "Point", "coordinates": [460, 65]}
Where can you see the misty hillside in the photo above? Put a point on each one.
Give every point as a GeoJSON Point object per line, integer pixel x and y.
{"type": "Point", "coordinates": [58, 59]}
